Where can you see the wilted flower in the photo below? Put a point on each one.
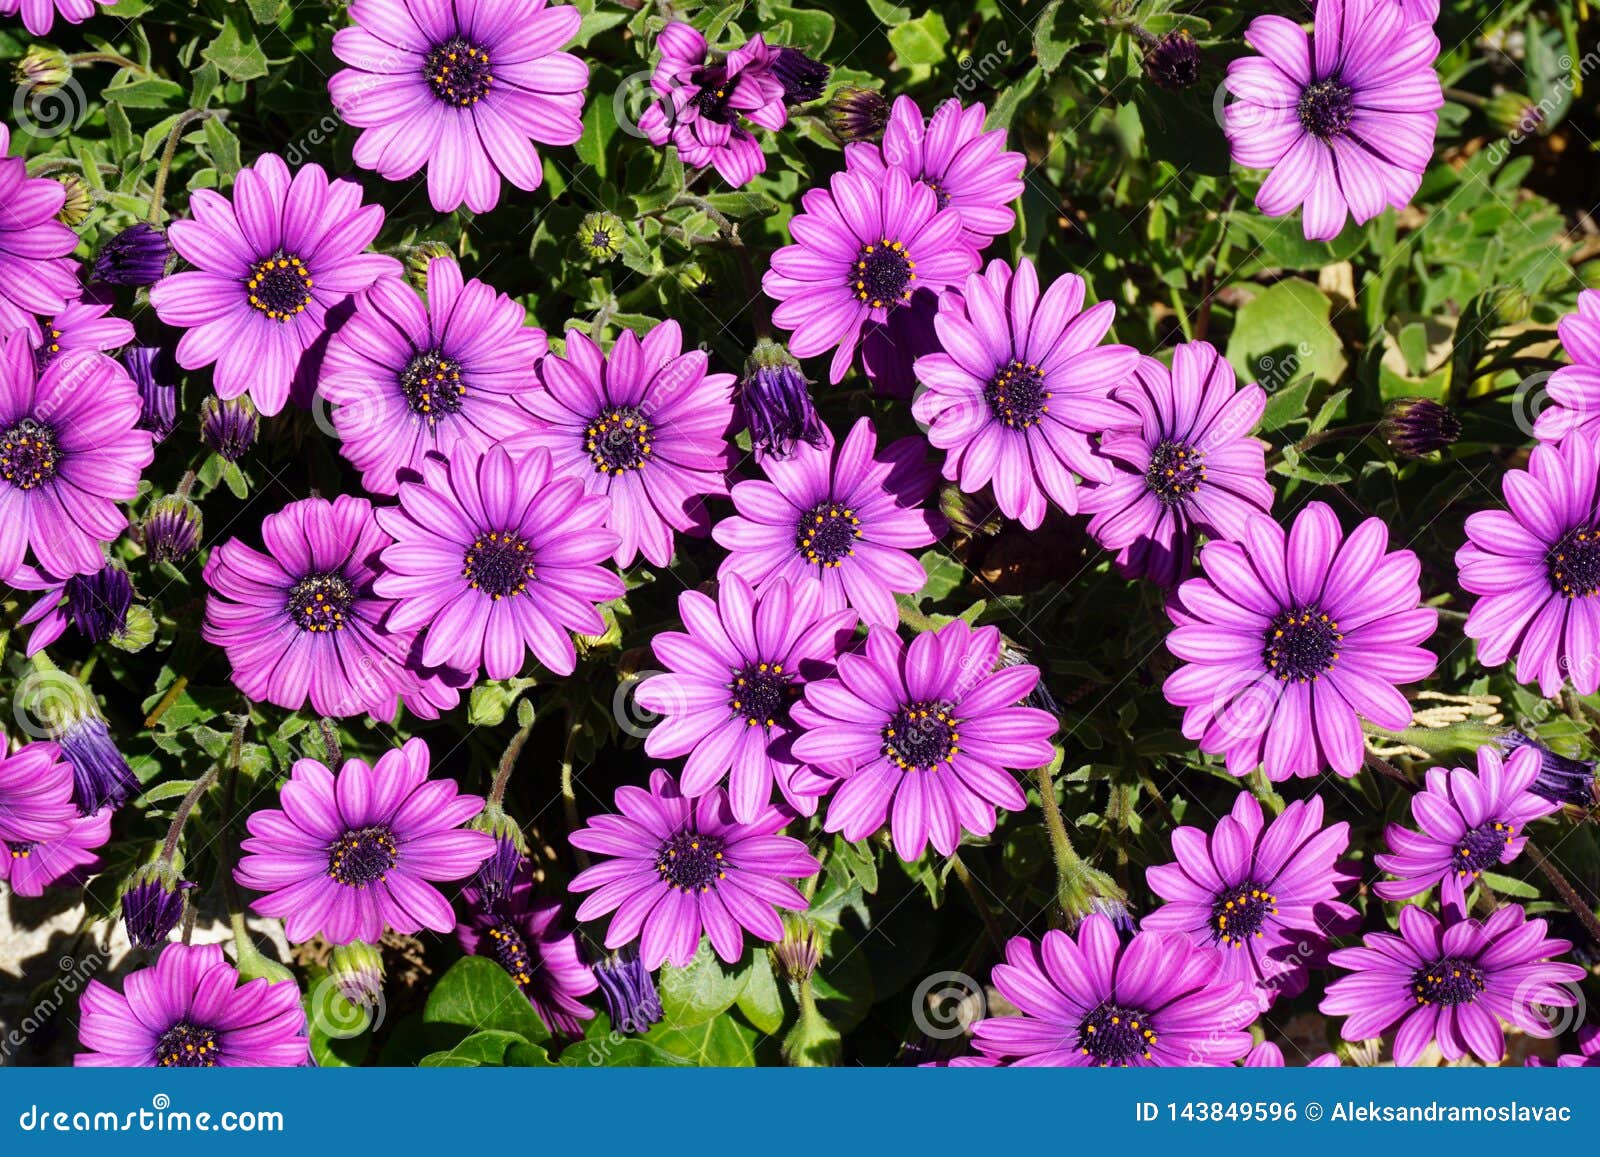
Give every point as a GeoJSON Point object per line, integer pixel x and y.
{"type": "Point", "coordinates": [630, 995]}
{"type": "Point", "coordinates": [1414, 427]}
{"type": "Point", "coordinates": [101, 777]}
{"type": "Point", "coordinates": [776, 399]}
{"type": "Point", "coordinates": [803, 78]}
{"type": "Point", "coordinates": [152, 370]}
{"type": "Point", "coordinates": [1560, 779]}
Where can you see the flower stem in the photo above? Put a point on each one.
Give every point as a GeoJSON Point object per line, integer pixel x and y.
{"type": "Point", "coordinates": [115, 58]}
{"type": "Point", "coordinates": [167, 700]}
{"type": "Point", "coordinates": [170, 847]}
{"type": "Point", "coordinates": [1563, 886]}
{"type": "Point", "coordinates": [502, 775]}
{"type": "Point", "coordinates": [332, 752]}
{"type": "Point", "coordinates": [975, 894]}
{"type": "Point", "coordinates": [569, 795]}
{"type": "Point", "coordinates": [1076, 882]}
{"type": "Point", "coordinates": [159, 187]}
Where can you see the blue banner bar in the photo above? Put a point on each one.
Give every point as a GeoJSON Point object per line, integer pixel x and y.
{"type": "Point", "coordinates": [1343, 1111]}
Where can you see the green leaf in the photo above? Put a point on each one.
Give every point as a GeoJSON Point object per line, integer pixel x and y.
{"type": "Point", "coordinates": [477, 994]}
{"type": "Point", "coordinates": [1285, 406]}
{"type": "Point", "coordinates": [920, 41]}
{"type": "Point", "coordinates": [236, 52]}
{"type": "Point", "coordinates": [150, 93]}
{"type": "Point", "coordinates": [707, 988]}
{"type": "Point", "coordinates": [810, 30]}
{"type": "Point", "coordinates": [720, 1042]}
{"type": "Point", "coordinates": [615, 1052]}
{"type": "Point", "coordinates": [1285, 332]}
{"type": "Point", "coordinates": [1049, 46]}
{"type": "Point", "coordinates": [488, 1047]}
{"type": "Point", "coordinates": [761, 1002]}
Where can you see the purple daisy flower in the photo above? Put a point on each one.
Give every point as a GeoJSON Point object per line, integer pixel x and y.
{"type": "Point", "coordinates": [925, 736]}
{"type": "Point", "coordinates": [1267, 1055]}
{"type": "Point", "coordinates": [1452, 983]}
{"type": "Point", "coordinates": [1574, 391]}
{"type": "Point", "coordinates": [843, 515]}
{"type": "Point", "coordinates": [1290, 640]}
{"type": "Point", "coordinates": [1153, 1001]}
{"type": "Point", "coordinates": [1021, 388]}
{"type": "Point", "coordinates": [36, 802]}
{"type": "Point", "coordinates": [731, 680]}
{"type": "Point", "coordinates": [1189, 466]}
{"type": "Point", "coordinates": [37, 273]}
{"type": "Point", "coordinates": [645, 425]}
{"type": "Point", "coordinates": [39, 15]}
{"type": "Point", "coordinates": [303, 621]}
{"type": "Point", "coordinates": [1536, 569]}
{"type": "Point", "coordinates": [465, 90]}
{"type": "Point", "coordinates": [703, 101]}
{"type": "Point", "coordinates": [31, 866]}
{"type": "Point", "coordinates": [82, 325]}
{"type": "Point", "coordinates": [681, 866]}
{"type": "Point", "coordinates": [70, 451]}
{"type": "Point", "coordinates": [494, 557]}
{"type": "Point", "coordinates": [861, 248]}
{"type": "Point", "coordinates": [1345, 119]}
{"type": "Point", "coordinates": [1467, 823]}
{"type": "Point", "coordinates": [1265, 896]}
{"type": "Point", "coordinates": [532, 941]}
{"type": "Point", "coordinates": [351, 854]}
{"type": "Point", "coordinates": [270, 265]}
{"type": "Point", "coordinates": [192, 1011]}
{"type": "Point", "coordinates": [952, 155]}
{"type": "Point", "coordinates": [406, 379]}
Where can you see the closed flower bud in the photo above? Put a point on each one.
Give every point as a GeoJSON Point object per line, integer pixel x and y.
{"type": "Point", "coordinates": [418, 259]}
{"type": "Point", "coordinates": [600, 236]}
{"type": "Point", "coordinates": [229, 425]}
{"type": "Point", "coordinates": [101, 777]}
{"type": "Point", "coordinates": [797, 955]}
{"type": "Point", "coordinates": [1514, 114]}
{"type": "Point", "coordinates": [857, 114]}
{"type": "Point", "coordinates": [803, 79]}
{"type": "Point", "coordinates": [357, 971]}
{"type": "Point", "coordinates": [98, 603]}
{"type": "Point", "coordinates": [153, 905]}
{"type": "Point", "coordinates": [136, 256]}
{"type": "Point", "coordinates": [1560, 779]}
{"type": "Point", "coordinates": [498, 872]}
{"type": "Point", "coordinates": [629, 992]}
{"type": "Point", "coordinates": [171, 531]}
{"type": "Point", "coordinates": [1416, 427]}
{"type": "Point", "coordinates": [776, 399]}
{"type": "Point", "coordinates": [75, 209]}
{"type": "Point", "coordinates": [42, 70]}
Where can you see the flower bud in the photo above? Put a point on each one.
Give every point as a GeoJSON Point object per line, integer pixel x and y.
{"type": "Point", "coordinates": [857, 114]}
{"type": "Point", "coordinates": [1416, 427]}
{"type": "Point", "coordinates": [229, 425]}
{"type": "Point", "coordinates": [1514, 114]}
{"type": "Point", "coordinates": [171, 531]}
{"type": "Point", "coordinates": [153, 905]}
{"type": "Point", "coordinates": [797, 955]}
{"type": "Point", "coordinates": [152, 370]}
{"type": "Point", "coordinates": [776, 399]}
{"type": "Point", "coordinates": [357, 971]}
{"type": "Point", "coordinates": [42, 70]}
{"type": "Point", "coordinates": [1560, 779]}
{"type": "Point", "coordinates": [75, 209]}
{"type": "Point", "coordinates": [1172, 62]}
{"type": "Point", "coordinates": [600, 237]}
{"type": "Point", "coordinates": [418, 259]}
{"type": "Point", "coordinates": [803, 79]}
{"type": "Point", "coordinates": [630, 994]}
{"type": "Point", "coordinates": [136, 256]}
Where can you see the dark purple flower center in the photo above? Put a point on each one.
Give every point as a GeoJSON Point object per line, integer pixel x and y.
{"type": "Point", "coordinates": [458, 72]}
{"type": "Point", "coordinates": [921, 736]}
{"type": "Point", "coordinates": [1116, 1036]}
{"type": "Point", "coordinates": [827, 534]}
{"type": "Point", "coordinates": [618, 440]}
{"type": "Point", "coordinates": [280, 286]}
{"type": "Point", "coordinates": [1240, 913]}
{"type": "Point", "coordinates": [1326, 108]}
{"type": "Point", "coordinates": [761, 692]}
{"type": "Point", "coordinates": [1451, 981]}
{"type": "Point", "coordinates": [362, 857]}
{"type": "Point", "coordinates": [511, 950]}
{"type": "Point", "coordinates": [50, 347]}
{"type": "Point", "coordinates": [431, 383]}
{"type": "Point", "coordinates": [20, 851]}
{"type": "Point", "coordinates": [883, 274]}
{"type": "Point", "coordinates": [1480, 848]}
{"type": "Point", "coordinates": [716, 90]}
{"type": "Point", "coordinates": [941, 196]}
{"type": "Point", "coordinates": [1016, 394]}
{"type": "Point", "coordinates": [187, 1046]}
{"type": "Point", "coordinates": [498, 564]}
{"type": "Point", "coordinates": [1573, 563]}
{"type": "Point", "coordinates": [29, 455]}
{"type": "Point", "coordinates": [319, 602]}
{"type": "Point", "coordinates": [1175, 472]}
{"type": "Point", "coordinates": [1301, 644]}
{"type": "Point", "coordinates": [691, 862]}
